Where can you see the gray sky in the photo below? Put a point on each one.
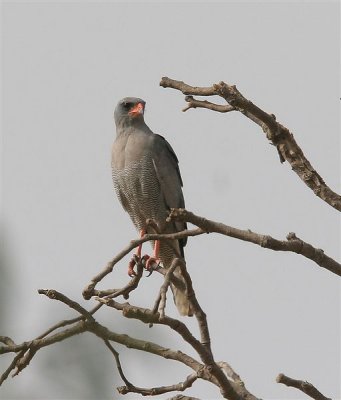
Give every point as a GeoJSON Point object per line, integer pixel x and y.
{"type": "Point", "coordinates": [65, 66]}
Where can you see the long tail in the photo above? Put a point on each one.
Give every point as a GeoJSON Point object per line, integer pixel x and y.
{"type": "Point", "coordinates": [167, 255]}
{"type": "Point", "coordinates": [180, 296]}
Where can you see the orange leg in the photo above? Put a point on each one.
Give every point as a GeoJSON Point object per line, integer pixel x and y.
{"type": "Point", "coordinates": [155, 257]}
{"type": "Point", "coordinates": [132, 262]}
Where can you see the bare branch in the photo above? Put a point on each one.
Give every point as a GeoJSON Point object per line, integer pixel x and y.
{"type": "Point", "coordinates": [67, 322]}
{"type": "Point", "coordinates": [194, 103]}
{"type": "Point", "coordinates": [292, 244]}
{"type": "Point", "coordinates": [149, 317]}
{"type": "Point", "coordinates": [90, 291]}
{"type": "Point", "coordinates": [11, 367]}
{"type": "Point", "coordinates": [181, 397]}
{"type": "Point", "coordinates": [27, 350]}
{"type": "Point", "coordinates": [198, 311]}
{"type": "Point", "coordinates": [131, 285]}
{"type": "Point", "coordinates": [187, 89]}
{"type": "Point", "coordinates": [278, 134]}
{"type": "Point", "coordinates": [303, 386]}
{"type": "Point", "coordinates": [118, 362]}
{"type": "Point", "coordinates": [7, 340]}
{"type": "Point", "coordinates": [160, 303]}
{"type": "Point", "coordinates": [160, 390]}
{"type": "Point", "coordinates": [149, 347]}
{"type": "Point", "coordinates": [55, 295]}
{"type": "Point", "coordinates": [229, 372]}
{"type": "Point", "coordinates": [229, 390]}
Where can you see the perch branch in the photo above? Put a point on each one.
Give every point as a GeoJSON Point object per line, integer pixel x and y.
{"type": "Point", "coordinates": [90, 291]}
{"type": "Point", "coordinates": [276, 133]}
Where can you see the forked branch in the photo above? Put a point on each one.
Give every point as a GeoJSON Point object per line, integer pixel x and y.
{"type": "Point", "coordinates": [276, 133]}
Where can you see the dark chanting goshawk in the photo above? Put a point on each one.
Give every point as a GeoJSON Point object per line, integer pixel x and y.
{"type": "Point", "coordinates": [148, 184]}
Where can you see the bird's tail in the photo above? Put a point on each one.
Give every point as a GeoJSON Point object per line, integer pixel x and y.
{"type": "Point", "coordinates": [167, 255]}
{"type": "Point", "coordinates": [180, 296]}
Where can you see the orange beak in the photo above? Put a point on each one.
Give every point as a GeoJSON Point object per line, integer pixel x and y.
{"type": "Point", "coordinates": [138, 109]}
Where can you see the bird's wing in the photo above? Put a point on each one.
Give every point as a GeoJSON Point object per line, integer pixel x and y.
{"type": "Point", "coordinates": [168, 174]}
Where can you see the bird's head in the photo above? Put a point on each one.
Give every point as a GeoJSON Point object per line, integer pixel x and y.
{"type": "Point", "coordinates": [129, 111]}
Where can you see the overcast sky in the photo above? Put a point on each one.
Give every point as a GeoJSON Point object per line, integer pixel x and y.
{"type": "Point", "coordinates": [65, 66]}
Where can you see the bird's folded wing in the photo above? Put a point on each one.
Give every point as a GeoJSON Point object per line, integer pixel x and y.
{"type": "Point", "coordinates": [168, 174]}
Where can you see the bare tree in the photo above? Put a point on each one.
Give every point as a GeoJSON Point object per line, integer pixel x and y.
{"type": "Point", "coordinates": [204, 366]}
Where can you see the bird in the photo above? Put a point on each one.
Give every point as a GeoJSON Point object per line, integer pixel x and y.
{"type": "Point", "coordinates": [148, 183]}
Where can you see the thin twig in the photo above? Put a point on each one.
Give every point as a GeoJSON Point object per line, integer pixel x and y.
{"type": "Point", "coordinates": [118, 363]}
{"type": "Point", "coordinates": [55, 295]}
{"type": "Point", "coordinates": [181, 386]}
{"type": "Point", "coordinates": [13, 365]}
{"type": "Point", "coordinates": [194, 103]}
{"type": "Point", "coordinates": [160, 302]}
{"type": "Point", "coordinates": [67, 322]}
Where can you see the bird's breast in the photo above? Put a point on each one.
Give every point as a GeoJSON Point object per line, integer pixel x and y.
{"type": "Point", "coordinates": [138, 189]}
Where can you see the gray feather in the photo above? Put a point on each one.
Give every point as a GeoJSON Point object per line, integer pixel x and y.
{"type": "Point", "coordinates": [148, 183]}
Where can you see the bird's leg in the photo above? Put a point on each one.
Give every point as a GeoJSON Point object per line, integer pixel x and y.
{"type": "Point", "coordinates": [136, 256]}
{"type": "Point", "coordinates": [153, 261]}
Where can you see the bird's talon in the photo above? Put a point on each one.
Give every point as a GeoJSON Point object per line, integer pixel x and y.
{"type": "Point", "coordinates": [152, 263]}
{"type": "Point", "coordinates": [153, 267]}
{"type": "Point", "coordinates": [144, 260]}
{"type": "Point", "coordinates": [131, 265]}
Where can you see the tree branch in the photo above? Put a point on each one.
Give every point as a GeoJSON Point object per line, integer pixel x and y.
{"type": "Point", "coordinates": [161, 389]}
{"type": "Point", "coordinates": [194, 103]}
{"type": "Point", "coordinates": [118, 362]}
{"type": "Point", "coordinates": [90, 291]}
{"type": "Point", "coordinates": [292, 244]}
{"type": "Point", "coordinates": [228, 389]}
{"type": "Point", "coordinates": [149, 317]}
{"type": "Point", "coordinates": [22, 359]}
{"type": "Point", "coordinates": [303, 386]}
{"type": "Point", "coordinates": [27, 350]}
{"type": "Point", "coordinates": [277, 134]}
{"type": "Point", "coordinates": [160, 303]}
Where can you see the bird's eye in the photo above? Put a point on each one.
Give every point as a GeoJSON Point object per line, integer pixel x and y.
{"type": "Point", "coordinates": [126, 105]}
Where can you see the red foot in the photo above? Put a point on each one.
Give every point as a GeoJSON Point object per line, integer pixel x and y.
{"type": "Point", "coordinates": [131, 265]}
{"type": "Point", "coordinates": [137, 255]}
{"type": "Point", "coordinates": [150, 263]}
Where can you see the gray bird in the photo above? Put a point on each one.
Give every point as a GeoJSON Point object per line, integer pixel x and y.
{"type": "Point", "coordinates": [148, 183]}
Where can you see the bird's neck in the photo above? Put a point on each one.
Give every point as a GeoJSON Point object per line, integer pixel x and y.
{"type": "Point", "coordinates": [126, 127]}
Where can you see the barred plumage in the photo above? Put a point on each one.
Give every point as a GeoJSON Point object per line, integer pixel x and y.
{"type": "Point", "coordinates": [147, 182]}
